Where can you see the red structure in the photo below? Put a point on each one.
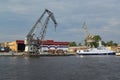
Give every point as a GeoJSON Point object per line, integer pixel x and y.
{"type": "Point", "coordinates": [52, 42]}
{"type": "Point", "coordinates": [46, 45]}
{"type": "Point", "coordinates": [20, 41]}
{"type": "Point", "coordinates": [46, 42]}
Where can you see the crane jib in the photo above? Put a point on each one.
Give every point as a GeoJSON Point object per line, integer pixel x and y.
{"type": "Point", "coordinates": [33, 45]}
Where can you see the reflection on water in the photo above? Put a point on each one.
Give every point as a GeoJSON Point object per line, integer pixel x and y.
{"type": "Point", "coordinates": [15, 60]}
{"type": "Point", "coordinates": [60, 68]}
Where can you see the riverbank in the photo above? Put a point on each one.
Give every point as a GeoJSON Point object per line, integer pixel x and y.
{"type": "Point", "coordinates": [23, 54]}
{"type": "Point", "coordinates": [10, 54]}
{"type": "Point", "coordinates": [42, 54]}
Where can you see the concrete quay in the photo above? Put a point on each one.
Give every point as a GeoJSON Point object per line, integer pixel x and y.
{"type": "Point", "coordinates": [23, 54]}
{"type": "Point", "coordinates": [10, 54]}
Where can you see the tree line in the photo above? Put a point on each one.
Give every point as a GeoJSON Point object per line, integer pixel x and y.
{"type": "Point", "coordinates": [95, 43]}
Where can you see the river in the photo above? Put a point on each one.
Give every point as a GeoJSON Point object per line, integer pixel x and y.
{"type": "Point", "coordinates": [60, 68]}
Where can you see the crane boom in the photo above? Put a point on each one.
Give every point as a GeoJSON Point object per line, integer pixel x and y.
{"type": "Point", "coordinates": [39, 20]}
{"type": "Point", "coordinates": [33, 46]}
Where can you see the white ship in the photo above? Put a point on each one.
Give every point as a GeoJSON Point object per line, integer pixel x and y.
{"type": "Point", "coordinates": [101, 50]}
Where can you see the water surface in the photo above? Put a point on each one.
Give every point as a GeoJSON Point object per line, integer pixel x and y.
{"type": "Point", "coordinates": [60, 68]}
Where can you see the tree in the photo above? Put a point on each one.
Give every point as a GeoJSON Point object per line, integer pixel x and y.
{"type": "Point", "coordinates": [115, 44]}
{"type": "Point", "coordinates": [97, 38]}
{"type": "Point", "coordinates": [103, 43]}
{"type": "Point", "coordinates": [111, 43]}
{"type": "Point", "coordinates": [79, 44]}
{"type": "Point", "coordinates": [72, 44]}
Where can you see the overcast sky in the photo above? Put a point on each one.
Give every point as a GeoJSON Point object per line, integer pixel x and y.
{"type": "Point", "coordinates": [102, 18]}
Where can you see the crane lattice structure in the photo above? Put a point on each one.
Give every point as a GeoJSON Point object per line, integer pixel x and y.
{"type": "Point", "coordinates": [33, 41]}
{"type": "Point", "coordinates": [89, 37]}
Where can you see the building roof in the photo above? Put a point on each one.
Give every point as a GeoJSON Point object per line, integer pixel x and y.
{"type": "Point", "coordinates": [20, 41]}
{"type": "Point", "coordinates": [52, 42]}
{"type": "Point", "coordinates": [46, 42]}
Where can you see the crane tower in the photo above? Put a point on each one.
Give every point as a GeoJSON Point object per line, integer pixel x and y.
{"type": "Point", "coordinates": [89, 37]}
{"type": "Point", "coordinates": [33, 41]}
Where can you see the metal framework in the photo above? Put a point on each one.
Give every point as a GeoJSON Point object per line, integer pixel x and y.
{"type": "Point", "coordinates": [32, 45]}
{"type": "Point", "coordinates": [89, 37]}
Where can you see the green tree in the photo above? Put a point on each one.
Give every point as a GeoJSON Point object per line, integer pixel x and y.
{"type": "Point", "coordinates": [103, 43]}
{"type": "Point", "coordinates": [72, 44]}
{"type": "Point", "coordinates": [111, 43]}
{"type": "Point", "coordinates": [79, 44]}
{"type": "Point", "coordinates": [97, 38]}
{"type": "Point", "coordinates": [115, 44]}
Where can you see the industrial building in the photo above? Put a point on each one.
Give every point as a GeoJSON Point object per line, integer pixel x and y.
{"type": "Point", "coordinates": [47, 45]}
{"type": "Point", "coordinates": [17, 46]}
{"type": "Point", "coordinates": [75, 48]}
{"type": "Point", "coordinates": [52, 46]}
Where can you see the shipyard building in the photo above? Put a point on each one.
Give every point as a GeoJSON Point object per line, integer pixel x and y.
{"type": "Point", "coordinates": [47, 45]}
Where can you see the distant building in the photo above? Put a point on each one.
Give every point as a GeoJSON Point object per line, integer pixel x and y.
{"type": "Point", "coordinates": [53, 45]}
{"type": "Point", "coordinates": [47, 45]}
{"type": "Point", "coordinates": [75, 48]}
{"type": "Point", "coordinates": [118, 48]}
{"type": "Point", "coordinates": [17, 46]}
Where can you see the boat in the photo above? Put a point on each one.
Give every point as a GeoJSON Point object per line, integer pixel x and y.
{"type": "Point", "coordinates": [100, 50]}
{"type": "Point", "coordinates": [4, 49]}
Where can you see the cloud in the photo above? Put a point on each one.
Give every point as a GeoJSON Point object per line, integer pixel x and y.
{"type": "Point", "coordinates": [101, 16]}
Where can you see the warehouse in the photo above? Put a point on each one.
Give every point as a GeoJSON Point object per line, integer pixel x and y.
{"type": "Point", "coordinates": [17, 46]}
{"type": "Point", "coordinates": [51, 45]}
{"type": "Point", "coordinates": [47, 45]}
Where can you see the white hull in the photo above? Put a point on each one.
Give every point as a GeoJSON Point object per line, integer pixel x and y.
{"type": "Point", "coordinates": [95, 51]}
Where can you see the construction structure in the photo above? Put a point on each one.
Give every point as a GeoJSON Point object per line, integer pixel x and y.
{"type": "Point", "coordinates": [89, 37]}
{"type": "Point", "coordinates": [54, 47]}
{"type": "Point", "coordinates": [49, 46]}
{"type": "Point", "coordinates": [33, 40]}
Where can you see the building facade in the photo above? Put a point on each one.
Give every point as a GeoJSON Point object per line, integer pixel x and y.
{"type": "Point", "coordinates": [17, 46]}
{"type": "Point", "coordinates": [47, 46]}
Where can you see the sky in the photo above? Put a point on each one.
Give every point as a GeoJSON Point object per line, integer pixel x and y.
{"type": "Point", "coordinates": [102, 18]}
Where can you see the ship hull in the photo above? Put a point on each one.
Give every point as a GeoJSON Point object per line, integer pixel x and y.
{"type": "Point", "coordinates": [96, 53]}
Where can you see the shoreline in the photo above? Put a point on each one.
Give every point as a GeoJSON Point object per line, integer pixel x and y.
{"type": "Point", "coordinates": [43, 54]}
